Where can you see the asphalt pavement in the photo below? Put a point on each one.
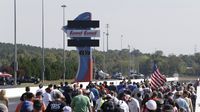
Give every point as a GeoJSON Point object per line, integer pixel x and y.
{"type": "Point", "coordinates": [13, 104]}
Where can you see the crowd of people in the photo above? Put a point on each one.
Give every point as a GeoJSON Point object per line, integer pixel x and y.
{"type": "Point", "coordinates": [106, 97]}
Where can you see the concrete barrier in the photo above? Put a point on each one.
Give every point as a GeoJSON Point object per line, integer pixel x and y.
{"type": "Point", "coordinates": [17, 92]}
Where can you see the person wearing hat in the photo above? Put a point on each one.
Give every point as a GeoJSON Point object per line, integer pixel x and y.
{"type": "Point", "coordinates": [67, 109]}
{"type": "Point", "coordinates": [151, 106]}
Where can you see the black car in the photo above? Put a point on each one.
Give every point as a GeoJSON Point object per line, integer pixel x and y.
{"type": "Point", "coordinates": [11, 80]}
{"type": "Point", "coordinates": [28, 80]}
{"type": "Point", "coordinates": [6, 81]}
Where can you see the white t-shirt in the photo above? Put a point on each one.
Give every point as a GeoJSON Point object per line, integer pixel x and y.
{"type": "Point", "coordinates": [40, 90]}
{"type": "Point", "coordinates": [123, 105]}
{"type": "Point", "coordinates": [46, 98]}
{"type": "Point", "coordinates": [134, 105]}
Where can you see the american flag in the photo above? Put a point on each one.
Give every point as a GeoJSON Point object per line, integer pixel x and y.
{"type": "Point", "coordinates": [157, 79]}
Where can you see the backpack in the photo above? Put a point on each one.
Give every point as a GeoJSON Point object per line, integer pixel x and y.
{"type": "Point", "coordinates": [37, 104]}
{"type": "Point", "coordinates": [108, 106]}
{"type": "Point", "coordinates": [117, 107]}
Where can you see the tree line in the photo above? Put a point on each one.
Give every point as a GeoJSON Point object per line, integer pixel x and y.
{"type": "Point", "coordinates": [30, 62]}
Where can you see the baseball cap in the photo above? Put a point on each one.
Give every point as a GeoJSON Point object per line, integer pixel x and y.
{"type": "Point", "coordinates": [151, 105]}
{"type": "Point", "coordinates": [67, 109]}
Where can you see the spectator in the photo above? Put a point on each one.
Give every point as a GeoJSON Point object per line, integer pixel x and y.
{"type": "Point", "coordinates": [99, 102]}
{"type": "Point", "coordinates": [81, 103]}
{"type": "Point", "coordinates": [40, 89]}
{"type": "Point", "coordinates": [108, 105]}
{"type": "Point", "coordinates": [68, 97]}
{"type": "Point", "coordinates": [27, 89]}
{"type": "Point", "coordinates": [57, 104]}
{"type": "Point", "coordinates": [133, 104]}
{"type": "Point", "coordinates": [38, 104]}
{"type": "Point", "coordinates": [181, 102]}
{"type": "Point", "coordinates": [188, 100]}
{"type": "Point", "coordinates": [67, 88]}
{"type": "Point", "coordinates": [3, 97]}
{"type": "Point", "coordinates": [67, 109]}
{"type": "Point", "coordinates": [3, 108]}
{"type": "Point", "coordinates": [112, 87]}
{"type": "Point", "coordinates": [27, 104]}
{"type": "Point", "coordinates": [95, 93]}
{"type": "Point", "coordinates": [87, 92]}
{"type": "Point", "coordinates": [122, 102]}
{"type": "Point", "coordinates": [168, 108]}
{"type": "Point", "coordinates": [151, 106]}
{"type": "Point", "coordinates": [139, 97]}
{"type": "Point", "coordinates": [47, 96]}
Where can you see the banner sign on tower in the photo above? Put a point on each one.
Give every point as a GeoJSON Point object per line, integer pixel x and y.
{"type": "Point", "coordinates": [83, 33]}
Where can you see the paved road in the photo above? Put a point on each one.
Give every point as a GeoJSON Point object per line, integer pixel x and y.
{"type": "Point", "coordinates": [12, 104]}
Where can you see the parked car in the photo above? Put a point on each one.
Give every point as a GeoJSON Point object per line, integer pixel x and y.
{"type": "Point", "coordinates": [5, 79]}
{"type": "Point", "coordinates": [118, 76]}
{"type": "Point", "coordinates": [28, 80]}
{"type": "Point", "coordinates": [102, 75]}
{"type": "Point", "coordinates": [136, 76]}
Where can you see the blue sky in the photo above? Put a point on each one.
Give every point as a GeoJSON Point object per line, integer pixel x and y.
{"type": "Point", "coordinates": [172, 26]}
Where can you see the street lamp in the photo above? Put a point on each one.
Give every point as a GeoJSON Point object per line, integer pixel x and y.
{"type": "Point", "coordinates": [107, 25]}
{"type": "Point", "coordinates": [129, 58]}
{"type": "Point", "coordinates": [43, 66]}
{"type": "Point", "coordinates": [121, 41]}
{"type": "Point", "coordinates": [121, 51]}
{"type": "Point", "coordinates": [103, 41]}
{"type": "Point", "coordinates": [15, 55]}
{"type": "Point", "coordinates": [63, 6]}
{"type": "Point", "coordinates": [103, 53]}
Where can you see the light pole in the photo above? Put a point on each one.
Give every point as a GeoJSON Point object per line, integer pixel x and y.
{"type": "Point", "coordinates": [129, 58]}
{"type": "Point", "coordinates": [103, 52]}
{"type": "Point", "coordinates": [103, 41]}
{"type": "Point", "coordinates": [63, 6]}
{"type": "Point", "coordinates": [121, 41]}
{"type": "Point", "coordinates": [107, 35]}
{"type": "Point", "coordinates": [121, 51]}
{"type": "Point", "coordinates": [43, 65]}
{"type": "Point", "coordinates": [15, 33]}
